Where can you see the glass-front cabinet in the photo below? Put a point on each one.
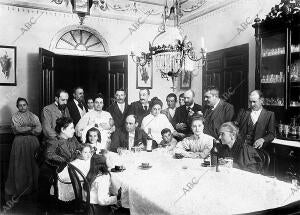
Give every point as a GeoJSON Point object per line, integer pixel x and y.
{"type": "Point", "coordinates": [277, 72]}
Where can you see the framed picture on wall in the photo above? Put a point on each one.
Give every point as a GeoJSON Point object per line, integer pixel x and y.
{"type": "Point", "coordinates": [81, 6]}
{"type": "Point", "coordinates": [144, 76]}
{"type": "Point", "coordinates": [8, 58]}
{"type": "Point", "coordinates": [185, 80]}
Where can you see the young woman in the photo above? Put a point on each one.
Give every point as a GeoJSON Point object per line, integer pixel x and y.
{"type": "Point", "coordinates": [93, 137]}
{"type": "Point", "coordinates": [23, 170]}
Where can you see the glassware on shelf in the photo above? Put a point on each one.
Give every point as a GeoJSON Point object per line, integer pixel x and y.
{"type": "Point", "coordinates": [276, 101]}
{"type": "Point", "coordinates": [273, 52]}
{"type": "Point", "coordinates": [295, 72]}
{"type": "Point", "coordinates": [295, 48]}
{"type": "Point", "coordinates": [272, 78]}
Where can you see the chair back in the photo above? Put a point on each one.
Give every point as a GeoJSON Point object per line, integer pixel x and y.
{"type": "Point", "coordinates": [76, 182]}
{"type": "Point", "coordinates": [265, 157]}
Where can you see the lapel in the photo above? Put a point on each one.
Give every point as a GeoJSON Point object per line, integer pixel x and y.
{"type": "Point", "coordinates": [56, 110]}
{"type": "Point", "coordinates": [246, 117]}
{"type": "Point", "coordinates": [126, 136]}
{"type": "Point", "coordinates": [64, 149]}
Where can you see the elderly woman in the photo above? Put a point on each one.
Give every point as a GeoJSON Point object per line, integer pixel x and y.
{"type": "Point", "coordinates": [199, 144]}
{"type": "Point", "coordinates": [244, 156]}
{"type": "Point", "coordinates": [23, 170]}
{"type": "Point", "coordinates": [156, 121]}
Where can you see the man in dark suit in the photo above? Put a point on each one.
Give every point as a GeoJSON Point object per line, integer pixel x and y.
{"type": "Point", "coordinates": [257, 125]}
{"type": "Point", "coordinates": [216, 112]}
{"type": "Point", "coordinates": [183, 114]}
{"type": "Point", "coordinates": [170, 111]}
{"type": "Point", "coordinates": [140, 108]}
{"type": "Point", "coordinates": [132, 136]}
{"type": "Point", "coordinates": [119, 108]}
{"type": "Point", "coordinates": [77, 106]}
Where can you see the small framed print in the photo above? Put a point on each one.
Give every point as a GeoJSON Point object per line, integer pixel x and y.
{"type": "Point", "coordinates": [8, 58]}
{"type": "Point", "coordinates": [81, 6]}
{"type": "Point", "coordinates": [144, 76]}
{"type": "Point", "coordinates": [185, 80]}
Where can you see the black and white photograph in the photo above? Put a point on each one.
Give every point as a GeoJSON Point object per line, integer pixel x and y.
{"type": "Point", "coordinates": [150, 107]}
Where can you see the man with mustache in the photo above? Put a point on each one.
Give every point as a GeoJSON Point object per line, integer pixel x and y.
{"type": "Point", "coordinates": [54, 111]}
{"type": "Point", "coordinates": [77, 106]}
{"type": "Point", "coordinates": [140, 108]}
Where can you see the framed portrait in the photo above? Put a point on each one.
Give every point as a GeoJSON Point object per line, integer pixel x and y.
{"type": "Point", "coordinates": [81, 6]}
{"type": "Point", "coordinates": [144, 76]}
{"type": "Point", "coordinates": [185, 80]}
{"type": "Point", "coordinates": [8, 58]}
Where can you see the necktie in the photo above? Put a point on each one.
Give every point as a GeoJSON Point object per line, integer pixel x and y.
{"type": "Point", "coordinates": [145, 107]}
{"type": "Point", "coordinates": [80, 105]}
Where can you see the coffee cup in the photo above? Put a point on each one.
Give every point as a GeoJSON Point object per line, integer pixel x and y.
{"type": "Point", "coordinates": [145, 165]}
{"type": "Point", "coordinates": [118, 168]}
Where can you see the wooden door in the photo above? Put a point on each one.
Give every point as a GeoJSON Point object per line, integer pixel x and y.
{"type": "Point", "coordinates": [47, 72]}
{"type": "Point", "coordinates": [117, 70]}
{"type": "Point", "coordinates": [228, 69]}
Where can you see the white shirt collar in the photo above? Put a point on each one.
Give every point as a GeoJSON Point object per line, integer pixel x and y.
{"type": "Point", "coordinates": [255, 114]}
{"type": "Point", "coordinates": [216, 104]}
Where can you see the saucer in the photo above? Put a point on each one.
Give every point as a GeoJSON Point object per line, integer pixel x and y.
{"type": "Point", "coordinates": [114, 170]}
{"type": "Point", "coordinates": [141, 167]}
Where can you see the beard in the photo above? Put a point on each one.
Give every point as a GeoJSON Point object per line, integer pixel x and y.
{"type": "Point", "coordinates": [62, 107]}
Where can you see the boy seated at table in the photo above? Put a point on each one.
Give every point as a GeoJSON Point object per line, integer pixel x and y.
{"type": "Point", "coordinates": [168, 141]}
{"type": "Point", "coordinates": [199, 144]}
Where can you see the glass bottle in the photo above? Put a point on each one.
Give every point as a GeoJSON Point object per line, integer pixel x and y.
{"type": "Point", "coordinates": [293, 127]}
{"type": "Point", "coordinates": [280, 128]}
{"type": "Point", "coordinates": [214, 155]}
{"type": "Point", "coordinates": [149, 141]}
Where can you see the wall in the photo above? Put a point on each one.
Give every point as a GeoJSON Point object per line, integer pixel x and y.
{"type": "Point", "coordinates": [227, 27]}
{"type": "Point", "coordinates": [46, 26]}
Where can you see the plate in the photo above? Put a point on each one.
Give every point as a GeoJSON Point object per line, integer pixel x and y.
{"type": "Point", "coordinates": [114, 170]}
{"type": "Point", "coordinates": [141, 167]}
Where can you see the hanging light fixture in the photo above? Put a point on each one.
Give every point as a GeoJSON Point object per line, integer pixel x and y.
{"type": "Point", "coordinates": [170, 51]}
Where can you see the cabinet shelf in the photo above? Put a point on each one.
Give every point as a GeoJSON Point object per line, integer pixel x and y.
{"type": "Point", "coordinates": [272, 83]}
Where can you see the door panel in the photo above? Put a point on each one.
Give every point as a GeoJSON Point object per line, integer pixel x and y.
{"type": "Point", "coordinates": [47, 72]}
{"type": "Point", "coordinates": [117, 75]}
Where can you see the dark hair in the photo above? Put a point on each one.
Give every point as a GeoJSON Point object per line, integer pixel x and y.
{"type": "Point", "coordinates": [89, 97]}
{"type": "Point", "coordinates": [76, 88]}
{"type": "Point", "coordinates": [181, 95]}
{"type": "Point", "coordinates": [59, 91]}
{"type": "Point", "coordinates": [214, 90]}
{"type": "Point", "coordinates": [165, 130]}
{"type": "Point", "coordinates": [155, 101]}
{"type": "Point", "coordinates": [197, 117]}
{"type": "Point", "coordinates": [21, 99]}
{"type": "Point", "coordinates": [98, 95]}
{"type": "Point", "coordinates": [62, 122]}
{"type": "Point", "coordinates": [98, 167]}
{"type": "Point", "coordinates": [120, 89]}
{"type": "Point", "coordinates": [172, 95]}
{"type": "Point", "coordinates": [91, 130]}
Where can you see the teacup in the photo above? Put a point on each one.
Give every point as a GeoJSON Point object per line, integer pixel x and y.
{"type": "Point", "coordinates": [119, 168]}
{"type": "Point", "coordinates": [145, 165]}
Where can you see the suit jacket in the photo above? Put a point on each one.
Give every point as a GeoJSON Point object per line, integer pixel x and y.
{"type": "Point", "coordinates": [170, 118]}
{"type": "Point", "coordinates": [117, 115]}
{"type": "Point", "coordinates": [74, 112]}
{"type": "Point", "coordinates": [265, 125]}
{"type": "Point", "coordinates": [215, 118]}
{"type": "Point", "coordinates": [120, 139]}
{"type": "Point", "coordinates": [137, 109]}
{"type": "Point", "coordinates": [49, 116]}
{"type": "Point", "coordinates": [182, 116]}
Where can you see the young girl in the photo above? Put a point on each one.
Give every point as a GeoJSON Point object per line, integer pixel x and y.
{"type": "Point", "coordinates": [83, 162]}
{"type": "Point", "coordinates": [93, 137]}
{"type": "Point", "coordinates": [99, 179]}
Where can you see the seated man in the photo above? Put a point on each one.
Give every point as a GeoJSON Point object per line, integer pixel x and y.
{"type": "Point", "coordinates": [199, 144]}
{"type": "Point", "coordinates": [244, 156]}
{"type": "Point", "coordinates": [168, 141]}
{"type": "Point", "coordinates": [257, 125]}
{"type": "Point", "coordinates": [132, 136]}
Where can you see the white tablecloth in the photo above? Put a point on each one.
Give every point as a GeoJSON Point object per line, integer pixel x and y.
{"type": "Point", "coordinates": [182, 186]}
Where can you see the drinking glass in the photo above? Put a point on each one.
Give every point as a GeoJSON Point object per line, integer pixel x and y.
{"type": "Point", "coordinates": [286, 129]}
{"type": "Point", "coordinates": [228, 162]}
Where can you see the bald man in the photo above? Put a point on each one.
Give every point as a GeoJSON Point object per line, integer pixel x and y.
{"type": "Point", "coordinates": [256, 125]}
{"type": "Point", "coordinates": [184, 114]}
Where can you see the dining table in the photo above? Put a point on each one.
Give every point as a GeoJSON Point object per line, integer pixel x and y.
{"type": "Point", "coordinates": [170, 186]}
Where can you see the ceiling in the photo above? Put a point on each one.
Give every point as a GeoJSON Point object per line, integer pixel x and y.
{"type": "Point", "coordinates": [129, 9]}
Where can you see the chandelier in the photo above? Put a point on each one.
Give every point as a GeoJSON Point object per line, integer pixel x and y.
{"type": "Point", "coordinates": [170, 51]}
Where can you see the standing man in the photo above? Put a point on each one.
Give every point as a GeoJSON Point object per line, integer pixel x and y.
{"type": "Point", "coordinates": [183, 114]}
{"type": "Point", "coordinates": [170, 111]}
{"type": "Point", "coordinates": [257, 125]}
{"type": "Point", "coordinates": [216, 112]}
{"type": "Point", "coordinates": [54, 111]}
{"type": "Point", "coordinates": [77, 106]}
{"type": "Point", "coordinates": [119, 108]}
{"type": "Point", "coordinates": [140, 108]}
